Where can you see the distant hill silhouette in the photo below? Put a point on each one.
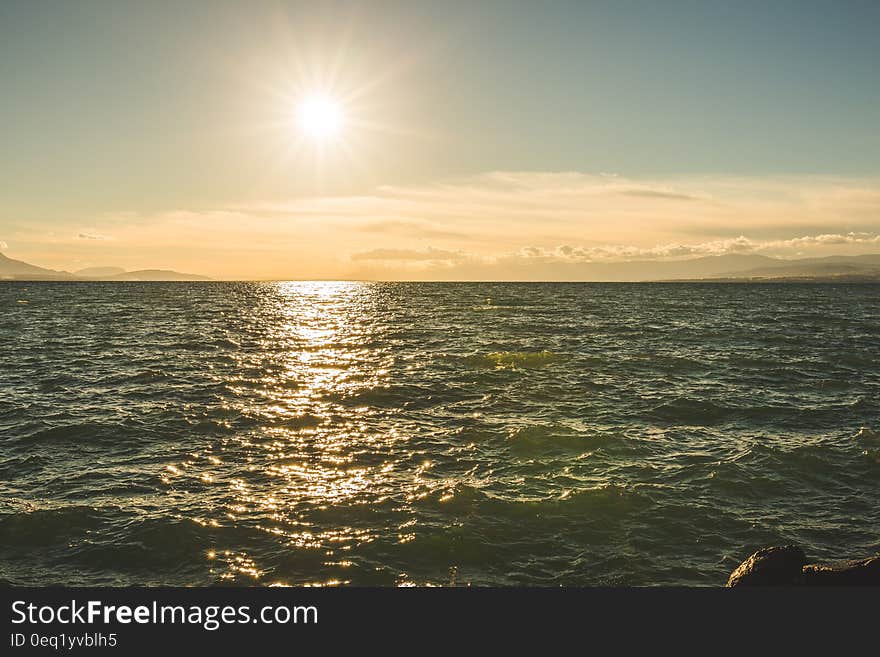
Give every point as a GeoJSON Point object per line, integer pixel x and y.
{"type": "Point", "coordinates": [730, 267]}
{"type": "Point", "coordinates": [706, 268]}
{"type": "Point", "coordinates": [98, 272]}
{"type": "Point", "coordinates": [19, 270]}
{"type": "Point", "coordinates": [155, 275]}
{"type": "Point", "coordinates": [832, 266]}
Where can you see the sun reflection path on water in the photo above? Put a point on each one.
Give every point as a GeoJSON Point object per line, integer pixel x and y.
{"type": "Point", "coordinates": [314, 463]}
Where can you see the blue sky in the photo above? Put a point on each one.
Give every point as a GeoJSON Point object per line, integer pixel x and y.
{"type": "Point", "coordinates": [116, 116]}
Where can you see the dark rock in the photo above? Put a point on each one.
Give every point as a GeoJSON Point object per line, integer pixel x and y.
{"type": "Point", "coordinates": [772, 566]}
{"type": "Point", "coordinates": [787, 566]}
{"type": "Point", "coordinates": [861, 572]}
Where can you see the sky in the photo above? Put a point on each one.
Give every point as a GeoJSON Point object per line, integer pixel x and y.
{"type": "Point", "coordinates": [473, 135]}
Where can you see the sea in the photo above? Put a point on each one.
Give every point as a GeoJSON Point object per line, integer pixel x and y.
{"type": "Point", "coordinates": [432, 434]}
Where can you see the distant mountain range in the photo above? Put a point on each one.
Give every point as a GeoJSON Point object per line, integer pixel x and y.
{"type": "Point", "coordinates": [733, 268]}
{"type": "Point", "coordinates": [830, 268]}
{"type": "Point", "coordinates": [18, 270]}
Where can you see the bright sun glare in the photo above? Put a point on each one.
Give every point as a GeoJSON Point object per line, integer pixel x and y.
{"type": "Point", "coordinates": [320, 117]}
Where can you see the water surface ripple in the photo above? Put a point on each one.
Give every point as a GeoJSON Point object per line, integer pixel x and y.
{"type": "Point", "coordinates": [413, 434]}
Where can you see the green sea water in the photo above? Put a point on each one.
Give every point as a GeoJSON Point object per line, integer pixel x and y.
{"type": "Point", "coordinates": [401, 434]}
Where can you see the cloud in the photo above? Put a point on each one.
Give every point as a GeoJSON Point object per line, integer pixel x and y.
{"type": "Point", "coordinates": [510, 208]}
{"type": "Point", "coordinates": [92, 236]}
{"type": "Point", "coordinates": [429, 254]}
{"type": "Point", "coordinates": [826, 239]}
{"type": "Point", "coordinates": [3, 245]}
{"type": "Point", "coordinates": [656, 193]}
{"type": "Point", "coordinates": [410, 229]}
{"type": "Point", "coordinates": [737, 245]}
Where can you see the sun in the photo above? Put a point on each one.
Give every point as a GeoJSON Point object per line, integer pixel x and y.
{"type": "Point", "coordinates": [320, 117]}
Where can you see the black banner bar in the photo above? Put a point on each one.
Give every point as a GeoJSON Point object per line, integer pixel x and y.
{"type": "Point", "coordinates": [124, 620]}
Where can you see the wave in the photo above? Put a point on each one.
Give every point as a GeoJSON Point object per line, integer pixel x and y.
{"type": "Point", "coordinates": [22, 464]}
{"type": "Point", "coordinates": [87, 431]}
{"type": "Point", "coordinates": [689, 411]}
{"type": "Point", "coordinates": [603, 499]}
{"type": "Point", "coordinates": [668, 364]}
{"type": "Point", "coordinates": [400, 396]}
{"type": "Point", "coordinates": [608, 499]}
{"type": "Point", "coordinates": [514, 359]}
{"type": "Point", "coordinates": [870, 437]}
{"type": "Point", "coordinates": [543, 438]}
{"type": "Point", "coordinates": [46, 526]}
{"type": "Point", "coordinates": [694, 411]}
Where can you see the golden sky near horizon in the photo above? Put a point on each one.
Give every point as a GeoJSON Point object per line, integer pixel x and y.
{"type": "Point", "coordinates": [485, 226]}
{"type": "Point", "coordinates": [412, 141]}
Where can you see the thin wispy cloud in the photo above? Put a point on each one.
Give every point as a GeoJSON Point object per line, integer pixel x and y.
{"type": "Point", "coordinates": [658, 194]}
{"type": "Point", "coordinates": [411, 229]}
{"type": "Point", "coordinates": [428, 255]}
